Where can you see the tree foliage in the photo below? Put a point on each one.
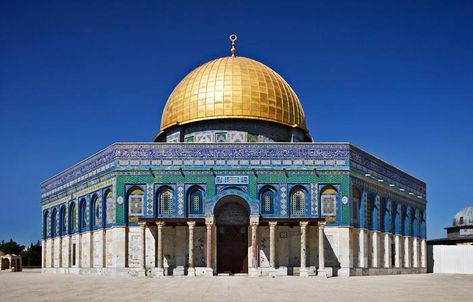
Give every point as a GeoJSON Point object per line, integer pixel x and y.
{"type": "Point", "coordinates": [31, 256]}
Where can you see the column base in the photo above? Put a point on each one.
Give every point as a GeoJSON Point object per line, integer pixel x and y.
{"type": "Point", "coordinates": [274, 272]}
{"type": "Point", "coordinates": [157, 272]}
{"type": "Point", "coordinates": [326, 272]}
{"type": "Point", "coordinates": [178, 271]}
{"type": "Point", "coordinates": [141, 272]}
{"type": "Point", "coordinates": [307, 272]}
{"type": "Point", "coordinates": [254, 272]}
{"type": "Point", "coordinates": [204, 271]}
{"type": "Point", "coordinates": [191, 272]}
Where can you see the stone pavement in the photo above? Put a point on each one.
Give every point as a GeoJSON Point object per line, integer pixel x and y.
{"type": "Point", "coordinates": [34, 286]}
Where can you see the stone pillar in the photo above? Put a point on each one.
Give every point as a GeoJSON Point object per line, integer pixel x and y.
{"type": "Point", "coordinates": [254, 270]}
{"type": "Point", "coordinates": [387, 250]}
{"type": "Point", "coordinates": [415, 252]}
{"type": "Point", "coordinates": [91, 248]}
{"type": "Point", "coordinates": [407, 252]}
{"type": "Point", "coordinates": [321, 271]}
{"type": "Point", "coordinates": [43, 253]}
{"type": "Point", "coordinates": [159, 248]}
{"type": "Point", "coordinates": [362, 242]}
{"type": "Point", "coordinates": [79, 251]}
{"type": "Point", "coordinates": [272, 244]}
{"type": "Point", "coordinates": [191, 269]}
{"type": "Point", "coordinates": [209, 223]}
{"type": "Point", "coordinates": [104, 248]}
{"type": "Point", "coordinates": [375, 255]}
{"type": "Point", "coordinates": [397, 251]}
{"type": "Point", "coordinates": [303, 269]}
{"type": "Point", "coordinates": [143, 247]}
{"type": "Point", "coordinates": [60, 264]}
{"type": "Point", "coordinates": [423, 253]}
{"type": "Point", "coordinates": [69, 254]}
{"type": "Point", "coordinates": [254, 246]}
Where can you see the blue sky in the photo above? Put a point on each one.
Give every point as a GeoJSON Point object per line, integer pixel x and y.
{"type": "Point", "coordinates": [393, 77]}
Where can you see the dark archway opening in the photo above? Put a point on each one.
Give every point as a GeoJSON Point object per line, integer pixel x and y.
{"type": "Point", "coordinates": [232, 219]}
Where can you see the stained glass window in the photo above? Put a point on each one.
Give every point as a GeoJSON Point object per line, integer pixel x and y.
{"type": "Point", "coordinates": [165, 201]}
{"type": "Point", "coordinates": [298, 202]}
{"type": "Point", "coordinates": [195, 201]}
{"type": "Point", "coordinates": [267, 201]}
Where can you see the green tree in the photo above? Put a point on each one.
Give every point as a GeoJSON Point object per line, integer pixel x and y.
{"type": "Point", "coordinates": [11, 247]}
{"type": "Point", "coordinates": [32, 255]}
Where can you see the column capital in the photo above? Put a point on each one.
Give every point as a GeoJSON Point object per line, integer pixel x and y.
{"type": "Point", "coordinates": [191, 224]}
{"type": "Point", "coordinates": [254, 220]}
{"type": "Point", "coordinates": [272, 224]}
{"type": "Point", "coordinates": [321, 224]}
{"type": "Point", "coordinates": [209, 220]}
{"type": "Point", "coordinates": [160, 224]}
{"type": "Point", "coordinates": [303, 224]}
{"type": "Point", "coordinates": [142, 224]}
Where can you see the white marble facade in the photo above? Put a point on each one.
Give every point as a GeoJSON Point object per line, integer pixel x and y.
{"type": "Point", "coordinates": [347, 251]}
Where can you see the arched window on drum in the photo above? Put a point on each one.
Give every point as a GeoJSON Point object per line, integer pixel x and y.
{"type": "Point", "coordinates": [267, 196]}
{"type": "Point", "coordinates": [195, 201]}
{"type": "Point", "coordinates": [328, 201]}
{"type": "Point", "coordinates": [298, 201]}
{"type": "Point", "coordinates": [165, 201]}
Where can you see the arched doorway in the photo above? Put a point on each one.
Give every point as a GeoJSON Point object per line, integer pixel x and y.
{"type": "Point", "coordinates": [232, 219]}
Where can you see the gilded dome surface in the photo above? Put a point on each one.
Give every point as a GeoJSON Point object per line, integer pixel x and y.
{"type": "Point", "coordinates": [233, 87]}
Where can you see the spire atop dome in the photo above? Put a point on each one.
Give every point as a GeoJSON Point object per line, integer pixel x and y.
{"type": "Point", "coordinates": [233, 38]}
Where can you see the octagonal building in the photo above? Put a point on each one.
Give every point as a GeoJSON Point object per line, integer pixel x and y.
{"type": "Point", "coordinates": [233, 184]}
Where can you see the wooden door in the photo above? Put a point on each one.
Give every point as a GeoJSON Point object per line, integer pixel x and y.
{"type": "Point", "coordinates": [232, 249]}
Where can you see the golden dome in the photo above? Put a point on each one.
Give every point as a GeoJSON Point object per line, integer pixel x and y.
{"type": "Point", "coordinates": [233, 87]}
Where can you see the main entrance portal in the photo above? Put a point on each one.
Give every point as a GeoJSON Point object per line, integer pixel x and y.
{"type": "Point", "coordinates": [231, 216]}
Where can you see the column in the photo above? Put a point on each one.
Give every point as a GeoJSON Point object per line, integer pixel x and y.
{"type": "Point", "coordinates": [423, 253]}
{"type": "Point", "coordinates": [104, 248]}
{"type": "Point", "coordinates": [397, 251]}
{"type": "Point", "coordinates": [254, 250]}
{"type": "Point", "coordinates": [60, 264]}
{"type": "Point", "coordinates": [159, 247]}
{"type": "Point", "coordinates": [79, 251]}
{"type": "Point", "coordinates": [143, 246]}
{"type": "Point", "coordinates": [415, 252]}
{"type": "Point", "coordinates": [387, 250]}
{"type": "Point", "coordinates": [43, 253]}
{"type": "Point", "coordinates": [362, 256]}
{"type": "Point", "coordinates": [321, 271]}
{"type": "Point", "coordinates": [191, 269]}
{"type": "Point", "coordinates": [272, 244]}
{"type": "Point", "coordinates": [375, 255]}
{"type": "Point", "coordinates": [209, 224]}
{"type": "Point", "coordinates": [407, 252]}
{"type": "Point", "coordinates": [303, 268]}
{"type": "Point", "coordinates": [69, 254]}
